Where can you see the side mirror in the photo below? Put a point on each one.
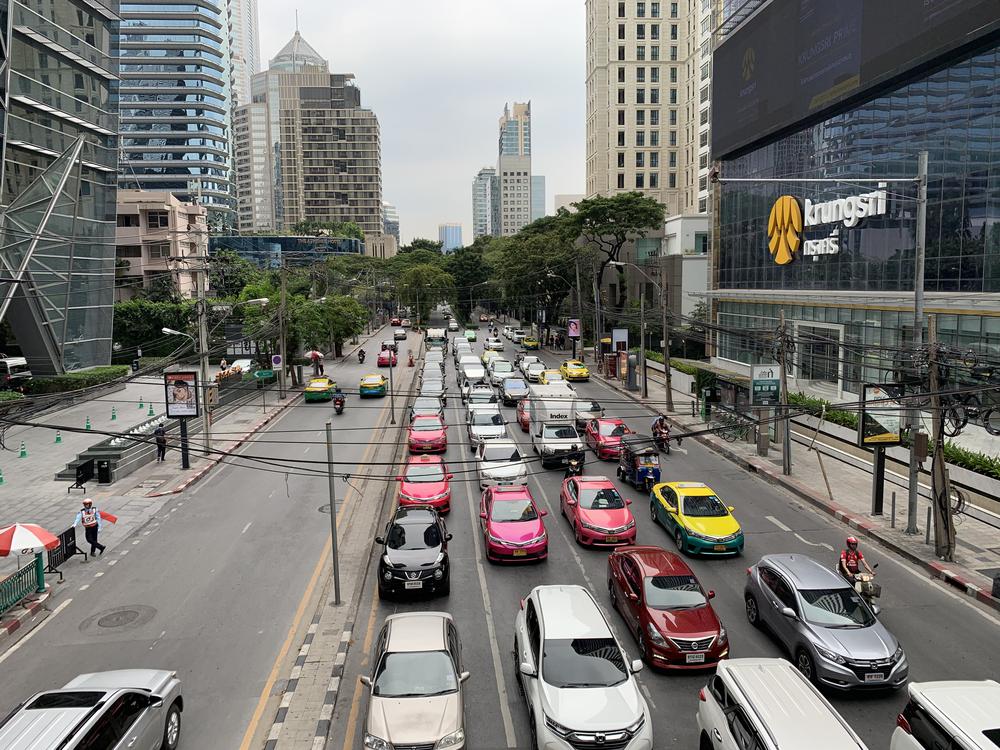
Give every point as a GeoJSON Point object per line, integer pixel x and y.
{"type": "Point", "coordinates": [483, 516]}
{"type": "Point", "coordinates": [464, 676]}
{"type": "Point", "coordinates": [447, 537]}
{"type": "Point", "coordinates": [788, 612]}
{"type": "Point", "coordinates": [730, 508]}
{"type": "Point", "coordinates": [628, 501]}
{"type": "Point", "coordinates": [155, 701]}
{"type": "Point", "coordinates": [711, 594]}
{"type": "Point", "coordinates": [543, 513]}
{"type": "Point", "coordinates": [365, 680]}
{"type": "Point", "coordinates": [379, 540]}
{"type": "Point", "coordinates": [876, 609]}
{"type": "Point", "coordinates": [451, 476]}
{"type": "Point", "coordinates": [527, 670]}
{"type": "Point", "coordinates": [636, 666]}
{"type": "Point", "coordinates": [399, 479]}
{"type": "Point", "coordinates": [571, 503]}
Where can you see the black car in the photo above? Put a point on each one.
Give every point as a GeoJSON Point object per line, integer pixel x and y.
{"type": "Point", "coordinates": [513, 390]}
{"type": "Point", "coordinates": [414, 554]}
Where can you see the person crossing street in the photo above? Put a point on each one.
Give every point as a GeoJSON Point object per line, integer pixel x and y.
{"type": "Point", "coordinates": [90, 517]}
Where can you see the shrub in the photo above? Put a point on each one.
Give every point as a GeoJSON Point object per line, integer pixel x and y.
{"type": "Point", "coordinates": [75, 381]}
{"type": "Point", "coordinates": [971, 460]}
{"type": "Point", "coordinates": [10, 396]}
{"type": "Point", "coordinates": [815, 407]}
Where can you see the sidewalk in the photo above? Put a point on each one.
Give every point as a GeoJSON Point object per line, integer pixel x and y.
{"type": "Point", "coordinates": [977, 553]}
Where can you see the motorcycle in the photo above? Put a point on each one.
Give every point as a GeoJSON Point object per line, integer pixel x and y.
{"type": "Point", "coordinates": [864, 584]}
{"type": "Point", "coordinates": [361, 356]}
{"type": "Point", "coordinates": [338, 404]}
{"type": "Point", "coordinates": [574, 468]}
{"type": "Point", "coordinates": [662, 442]}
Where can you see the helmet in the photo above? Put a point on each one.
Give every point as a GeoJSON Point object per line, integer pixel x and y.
{"type": "Point", "coordinates": [87, 501]}
{"type": "Point", "coordinates": [852, 541]}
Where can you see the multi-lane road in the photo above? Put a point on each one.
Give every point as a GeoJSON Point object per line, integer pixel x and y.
{"type": "Point", "coordinates": [945, 636]}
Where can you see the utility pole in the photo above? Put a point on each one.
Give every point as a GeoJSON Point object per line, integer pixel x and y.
{"type": "Point", "coordinates": [392, 391]}
{"type": "Point", "coordinates": [579, 311]}
{"type": "Point", "coordinates": [944, 522]}
{"type": "Point", "coordinates": [282, 316]}
{"type": "Point", "coordinates": [202, 309]}
{"type": "Point", "coordinates": [642, 337]}
{"type": "Point", "coordinates": [918, 334]}
{"type": "Point", "coordinates": [786, 438]}
{"type": "Point", "coordinates": [333, 512]}
{"type": "Point", "coordinates": [667, 380]}
{"type": "Point", "coordinates": [597, 324]}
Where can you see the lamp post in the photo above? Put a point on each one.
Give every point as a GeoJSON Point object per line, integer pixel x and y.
{"type": "Point", "coordinates": [576, 303]}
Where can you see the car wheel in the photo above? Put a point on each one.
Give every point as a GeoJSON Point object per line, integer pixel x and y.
{"type": "Point", "coordinates": [517, 669]}
{"type": "Point", "coordinates": [753, 614]}
{"type": "Point", "coordinates": [446, 589]}
{"type": "Point", "coordinates": [172, 729]}
{"type": "Point", "coordinates": [383, 595]}
{"type": "Point", "coordinates": [804, 663]}
{"type": "Point", "coordinates": [652, 512]}
{"type": "Point", "coordinates": [679, 541]}
{"type": "Point", "coordinates": [612, 594]}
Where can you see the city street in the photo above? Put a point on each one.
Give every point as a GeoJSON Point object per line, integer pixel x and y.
{"type": "Point", "coordinates": [945, 636]}
{"type": "Point", "coordinates": [211, 587]}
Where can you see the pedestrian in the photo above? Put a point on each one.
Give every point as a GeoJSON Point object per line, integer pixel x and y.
{"type": "Point", "coordinates": [223, 364]}
{"type": "Point", "coordinates": [90, 517]}
{"type": "Point", "coordinates": [317, 362]}
{"type": "Point", "coordinates": [161, 443]}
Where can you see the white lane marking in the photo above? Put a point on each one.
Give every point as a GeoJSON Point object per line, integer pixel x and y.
{"type": "Point", "coordinates": [29, 636]}
{"type": "Point", "coordinates": [306, 449]}
{"type": "Point", "coordinates": [112, 562]}
{"type": "Point", "coordinates": [123, 552]}
{"type": "Point", "coordinates": [136, 541]}
{"type": "Point", "coordinates": [84, 587]}
{"type": "Point", "coordinates": [777, 523]}
{"type": "Point", "coordinates": [98, 574]}
{"type": "Point", "coordinates": [246, 527]}
{"type": "Point", "coordinates": [163, 633]}
{"type": "Point", "coordinates": [813, 544]}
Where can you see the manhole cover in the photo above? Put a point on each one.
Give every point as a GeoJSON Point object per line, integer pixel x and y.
{"type": "Point", "coordinates": [117, 619]}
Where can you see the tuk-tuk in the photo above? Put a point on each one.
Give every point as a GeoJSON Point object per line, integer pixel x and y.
{"type": "Point", "coordinates": [639, 461]}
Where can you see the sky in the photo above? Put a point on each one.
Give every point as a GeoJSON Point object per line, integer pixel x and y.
{"type": "Point", "coordinates": [437, 74]}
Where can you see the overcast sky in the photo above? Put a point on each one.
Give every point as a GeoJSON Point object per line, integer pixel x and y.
{"type": "Point", "coordinates": [437, 74]}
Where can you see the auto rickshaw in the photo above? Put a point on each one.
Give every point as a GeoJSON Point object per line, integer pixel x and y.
{"type": "Point", "coordinates": [639, 462]}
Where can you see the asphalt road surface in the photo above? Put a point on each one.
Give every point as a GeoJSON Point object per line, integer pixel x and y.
{"type": "Point", "coordinates": [210, 588]}
{"type": "Point", "coordinates": [945, 635]}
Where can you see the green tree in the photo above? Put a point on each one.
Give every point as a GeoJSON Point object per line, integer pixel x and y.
{"type": "Point", "coordinates": [470, 272]}
{"type": "Point", "coordinates": [423, 286]}
{"type": "Point", "coordinates": [228, 273]}
{"type": "Point", "coordinates": [160, 289]}
{"type": "Point", "coordinates": [344, 317]}
{"type": "Point", "coordinates": [419, 243]}
{"type": "Point", "coordinates": [138, 324]}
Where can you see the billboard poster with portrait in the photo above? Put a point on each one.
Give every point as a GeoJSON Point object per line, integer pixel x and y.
{"type": "Point", "coordinates": [573, 328]}
{"type": "Point", "coordinates": [181, 394]}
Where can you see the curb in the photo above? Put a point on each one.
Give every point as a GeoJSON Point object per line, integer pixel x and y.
{"type": "Point", "coordinates": [214, 461]}
{"type": "Point", "coordinates": [935, 568]}
{"type": "Point", "coordinates": [23, 613]}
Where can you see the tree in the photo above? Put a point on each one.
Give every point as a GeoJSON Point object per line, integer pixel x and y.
{"type": "Point", "coordinates": [160, 289]}
{"type": "Point", "coordinates": [470, 272]}
{"type": "Point", "coordinates": [344, 317]}
{"type": "Point", "coordinates": [425, 285]}
{"type": "Point", "coordinates": [329, 229]}
{"type": "Point", "coordinates": [138, 324]}
{"type": "Point", "coordinates": [228, 273]}
{"type": "Point", "coordinates": [606, 224]}
{"type": "Point", "coordinates": [535, 271]}
{"type": "Point", "coordinates": [419, 243]}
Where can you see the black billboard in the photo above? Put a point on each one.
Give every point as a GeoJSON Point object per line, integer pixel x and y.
{"type": "Point", "coordinates": [796, 59]}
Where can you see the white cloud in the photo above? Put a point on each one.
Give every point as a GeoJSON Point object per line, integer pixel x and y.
{"type": "Point", "coordinates": [437, 73]}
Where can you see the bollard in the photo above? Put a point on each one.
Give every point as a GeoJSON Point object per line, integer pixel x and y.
{"type": "Point", "coordinates": [58, 437]}
{"type": "Point", "coordinates": [892, 519]}
{"type": "Point", "coordinates": [927, 530]}
{"type": "Point", "coordinates": [150, 413]}
{"type": "Point", "coordinates": [24, 451]}
{"type": "Point", "coordinates": [87, 426]}
{"type": "Point", "coordinates": [114, 414]}
{"type": "Point", "coordinates": [694, 408]}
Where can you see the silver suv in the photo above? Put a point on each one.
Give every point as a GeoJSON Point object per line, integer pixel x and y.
{"type": "Point", "coordinates": [139, 709]}
{"type": "Point", "coordinates": [833, 636]}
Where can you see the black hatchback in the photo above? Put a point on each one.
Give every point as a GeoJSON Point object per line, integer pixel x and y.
{"type": "Point", "coordinates": [414, 557]}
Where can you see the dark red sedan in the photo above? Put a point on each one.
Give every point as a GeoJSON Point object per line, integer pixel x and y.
{"type": "Point", "coordinates": [604, 436]}
{"type": "Point", "coordinates": [522, 414]}
{"type": "Point", "coordinates": [666, 609]}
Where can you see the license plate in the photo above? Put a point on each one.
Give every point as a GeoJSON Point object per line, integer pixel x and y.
{"type": "Point", "coordinates": [874, 677]}
{"type": "Point", "coordinates": [610, 539]}
{"type": "Point", "coordinates": [720, 548]}
{"type": "Point", "coordinates": [520, 553]}
{"type": "Point", "coordinates": [694, 658]}
{"type": "Point", "coordinates": [413, 584]}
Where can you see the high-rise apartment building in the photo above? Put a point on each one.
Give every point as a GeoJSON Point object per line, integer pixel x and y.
{"type": "Point", "coordinates": [176, 99]}
{"type": "Point", "coordinates": [482, 202]}
{"type": "Point", "coordinates": [514, 169]}
{"type": "Point", "coordinates": [59, 69]}
{"type": "Point", "coordinates": [537, 197]}
{"type": "Point", "coordinates": [244, 35]}
{"type": "Point", "coordinates": [648, 75]}
{"type": "Point", "coordinates": [305, 149]}
{"type": "Point", "coordinates": [390, 220]}
{"type": "Point", "coordinates": [450, 237]}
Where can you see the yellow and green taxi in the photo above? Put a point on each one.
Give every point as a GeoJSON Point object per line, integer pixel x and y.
{"type": "Point", "coordinates": [530, 342]}
{"type": "Point", "coordinates": [320, 389]}
{"type": "Point", "coordinates": [574, 369]}
{"type": "Point", "coordinates": [470, 334]}
{"type": "Point", "coordinates": [548, 377]}
{"type": "Point", "coordinates": [699, 521]}
{"type": "Point", "coordinates": [372, 385]}
{"type": "Point", "coordinates": [488, 355]}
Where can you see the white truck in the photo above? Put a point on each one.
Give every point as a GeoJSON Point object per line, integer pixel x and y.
{"type": "Point", "coordinates": [552, 424]}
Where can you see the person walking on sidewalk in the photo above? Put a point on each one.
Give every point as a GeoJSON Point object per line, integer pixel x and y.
{"type": "Point", "coordinates": [90, 517]}
{"type": "Point", "coordinates": [161, 443]}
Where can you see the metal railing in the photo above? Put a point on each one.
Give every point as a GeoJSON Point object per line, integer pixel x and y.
{"type": "Point", "coordinates": [18, 585]}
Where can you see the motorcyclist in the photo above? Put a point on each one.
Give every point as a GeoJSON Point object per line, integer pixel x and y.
{"type": "Point", "coordinates": [574, 468]}
{"type": "Point", "coordinates": [661, 429]}
{"type": "Point", "coordinates": [361, 356]}
{"type": "Point", "coordinates": [852, 560]}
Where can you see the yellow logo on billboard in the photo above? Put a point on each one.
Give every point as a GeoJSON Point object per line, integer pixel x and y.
{"type": "Point", "coordinates": [784, 229]}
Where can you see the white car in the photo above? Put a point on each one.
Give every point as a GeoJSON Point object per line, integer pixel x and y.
{"type": "Point", "coordinates": [485, 423]}
{"type": "Point", "coordinates": [500, 370]}
{"type": "Point", "coordinates": [494, 345]}
{"type": "Point", "coordinates": [533, 372]}
{"type": "Point", "coordinates": [518, 336]}
{"type": "Point", "coordinates": [500, 462]}
{"type": "Point", "coordinates": [582, 693]}
{"type": "Point", "coordinates": [480, 393]}
{"type": "Point", "coordinates": [956, 714]}
{"type": "Point", "coordinates": [526, 360]}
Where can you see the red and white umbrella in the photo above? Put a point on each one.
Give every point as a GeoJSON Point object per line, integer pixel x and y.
{"type": "Point", "coordinates": [315, 354]}
{"type": "Point", "coordinates": [25, 539]}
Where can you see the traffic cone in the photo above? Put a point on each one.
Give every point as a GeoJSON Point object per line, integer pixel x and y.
{"type": "Point", "coordinates": [2, 480]}
{"type": "Point", "coordinates": [150, 413]}
{"type": "Point", "coordinates": [141, 404]}
{"type": "Point", "coordinates": [87, 426]}
{"type": "Point", "coordinates": [114, 414]}
{"type": "Point", "coordinates": [24, 451]}
{"type": "Point", "coordinates": [58, 436]}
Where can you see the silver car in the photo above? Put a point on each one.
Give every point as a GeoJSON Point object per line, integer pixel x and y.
{"type": "Point", "coordinates": [139, 709]}
{"type": "Point", "coordinates": [485, 423]}
{"type": "Point", "coordinates": [587, 410]}
{"type": "Point", "coordinates": [500, 462]}
{"type": "Point", "coordinates": [833, 636]}
{"type": "Point", "coordinates": [415, 691]}
{"type": "Point", "coordinates": [426, 406]}
{"type": "Point", "coordinates": [434, 389]}
{"type": "Point", "coordinates": [500, 370]}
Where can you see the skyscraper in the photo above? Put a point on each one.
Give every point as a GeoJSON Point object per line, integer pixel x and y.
{"type": "Point", "coordinates": [58, 179]}
{"type": "Point", "coordinates": [450, 237]}
{"type": "Point", "coordinates": [175, 99]}
{"type": "Point", "coordinates": [537, 197]}
{"type": "Point", "coordinates": [482, 202]}
{"type": "Point", "coordinates": [305, 149]}
{"type": "Point", "coordinates": [245, 47]}
{"type": "Point", "coordinates": [514, 169]}
{"type": "Point", "coordinates": [390, 220]}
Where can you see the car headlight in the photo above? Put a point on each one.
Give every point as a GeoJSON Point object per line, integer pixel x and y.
{"type": "Point", "coordinates": [637, 724]}
{"type": "Point", "coordinates": [497, 540]}
{"type": "Point", "coordinates": [654, 635]}
{"type": "Point", "coordinates": [899, 653]}
{"type": "Point", "coordinates": [537, 539]}
{"type": "Point", "coordinates": [556, 727]}
{"type": "Point", "coordinates": [831, 656]}
{"type": "Point", "coordinates": [704, 537]}
{"type": "Point", "coordinates": [590, 526]}
{"type": "Point", "coordinates": [450, 740]}
{"type": "Point", "coordinates": [723, 635]}
{"type": "Point", "coordinates": [630, 524]}
{"type": "Point", "coordinates": [376, 743]}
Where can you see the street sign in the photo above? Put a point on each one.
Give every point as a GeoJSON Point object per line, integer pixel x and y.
{"type": "Point", "coordinates": [264, 374]}
{"type": "Point", "coordinates": [276, 360]}
{"type": "Point", "coordinates": [881, 415]}
{"type": "Point", "coordinates": [765, 385]}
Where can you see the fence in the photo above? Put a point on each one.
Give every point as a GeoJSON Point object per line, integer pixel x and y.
{"type": "Point", "coordinates": [18, 585]}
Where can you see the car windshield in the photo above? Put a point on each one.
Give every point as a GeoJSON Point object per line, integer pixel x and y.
{"type": "Point", "coordinates": [421, 424]}
{"type": "Point", "coordinates": [512, 384]}
{"type": "Point", "coordinates": [415, 674]}
{"type": "Point", "coordinates": [600, 498]}
{"type": "Point", "coordinates": [559, 432]}
{"type": "Point", "coordinates": [511, 511]}
{"type": "Point", "coordinates": [536, 367]}
{"type": "Point", "coordinates": [553, 376]}
{"type": "Point", "coordinates": [704, 506]}
{"type": "Point", "coordinates": [413, 536]}
{"type": "Point", "coordinates": [426, 406]}
{"type": "Point", "coordinates": [613, 430]}
{"type": "Point", "coordinates": [376, 380]}
{"type": "Point", "coordinates": [502, 367]}
{"type": "Point", "coordinates": [486, 418]}
{"type": "Point", "coordinates": [836, 608]}
{"type": "Point", "coordinates": [583, 662]}
{"type": "Point", "coordinates": [501, 453]}
{"type": "Point", "coordinates": [673, 592]}
{"type": "Point", "coordinates": [425, 473]}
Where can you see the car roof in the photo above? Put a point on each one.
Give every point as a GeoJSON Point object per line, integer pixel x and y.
{"type": "Point", "coordinates": [804, 572]}
{"type": "Point", "coordinates": [417, 631]}
{"type": "Point", "coordinates": [969, 705]}
{"type": "Point", "coordinates": [690, 488]}
{"type": "Point", "coordinates": [424, 459]}
{"type": "Point", "coordinates": [570, 612]}
{"type": "Point", "coordinates": [595, 481]}
{"type": "Point", "coordinates": [412, 514]}
{"type": "Point", "coordinates": [512, 492]}
{"type": "Point", "coordinates": [655, 561]}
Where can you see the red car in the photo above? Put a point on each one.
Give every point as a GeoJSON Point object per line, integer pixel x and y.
{"type": "Point", "coordinates": [522, 414]}
{"type": "Point", "coordinates": [427, 434]}
{"type": "Point", "coordinates": [666, 609]}
{"type": "Point", "coordinates": [385, 357]}
{"type": "Point", "coordinates": [394, 321]}
{"type": "Point", "coordinates": [599, 515]}
{"type": "Point", "coordinates": [604, 436]}
{"type": "Point", "coordinates": [512, 525]}
{"type": "Point", "coordinates": [426, 483]}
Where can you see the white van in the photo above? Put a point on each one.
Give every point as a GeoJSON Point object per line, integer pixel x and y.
{"type": "Point", "coordinates": [954, 714]}
{"type": "Point", "coordinates": [768, 704]}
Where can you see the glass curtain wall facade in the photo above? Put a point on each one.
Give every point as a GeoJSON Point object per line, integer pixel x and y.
{"type": "Point", "coordinates": [175, 99]}
{"type": "Point", "coordinates": [58, 175]}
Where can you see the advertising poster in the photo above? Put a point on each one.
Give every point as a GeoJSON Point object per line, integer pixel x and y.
{"type": "Point", "coordinates": [881, 415]}
{"type": "Point", "coordinates": [573, 328]}
{"type": "Point", "coordinates": [181, 394]}
{"type": "Point", "coordinates": [619, 339]}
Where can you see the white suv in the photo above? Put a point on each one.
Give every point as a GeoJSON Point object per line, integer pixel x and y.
{"type": "Point", "coordinates": [958, 714]}
{"type": "Point", "coordinates": [582, 693]}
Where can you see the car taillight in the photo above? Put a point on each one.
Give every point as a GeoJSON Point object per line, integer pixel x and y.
{"type": "Point", "coordinates": [522, 604]}
{"type": "Point", "coordinates": [903, 724]}
{"type": "Point", "coordinates": [701, 695]}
